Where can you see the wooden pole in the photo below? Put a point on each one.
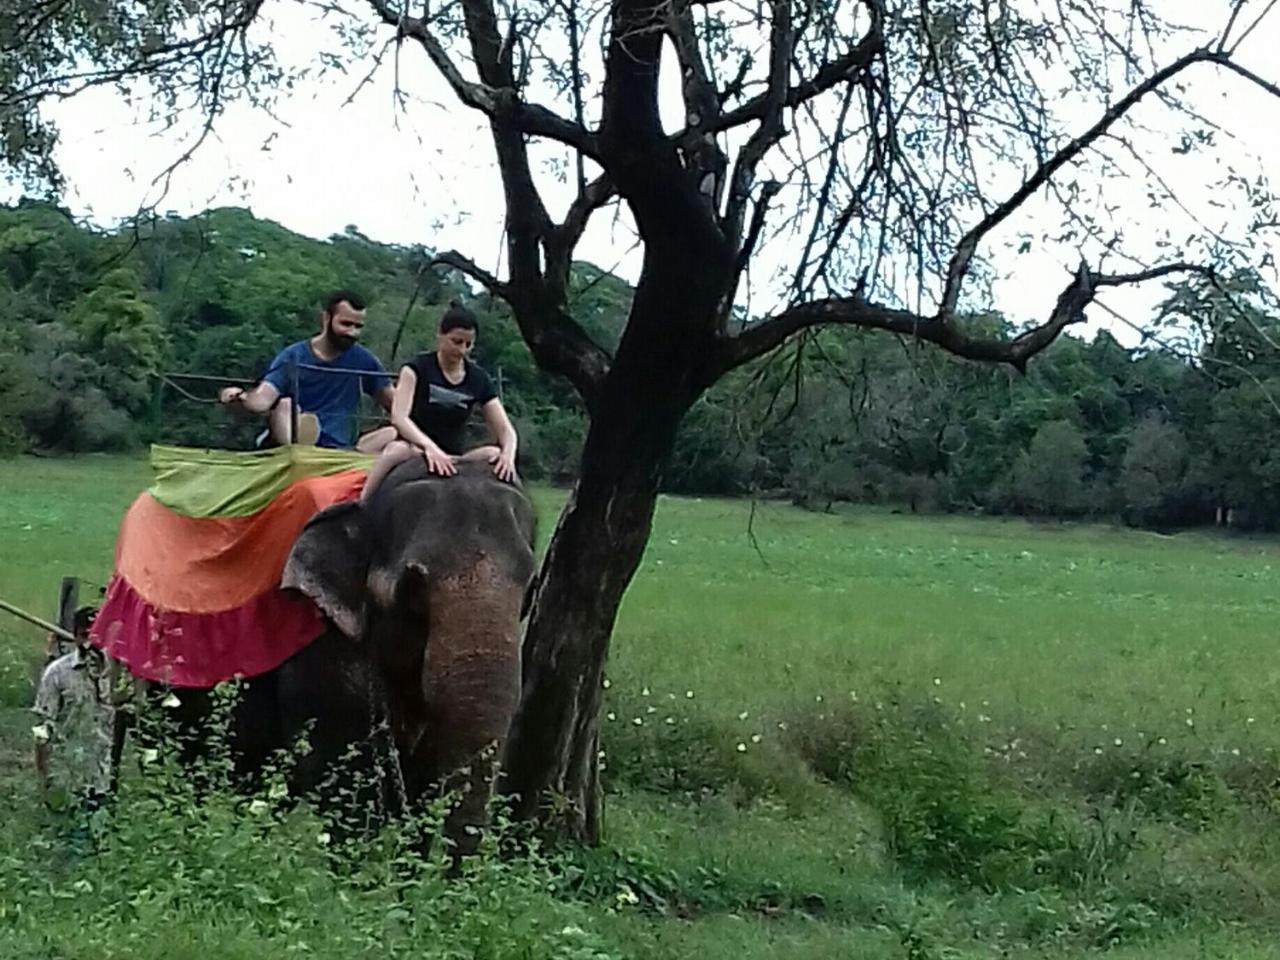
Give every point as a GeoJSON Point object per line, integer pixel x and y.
{"type": "Point", "coordinates": [68, 601]}
{"type": "Point", "coordinates": [293, 404]}
{"type": "Point", "coordinates": [32, 618]}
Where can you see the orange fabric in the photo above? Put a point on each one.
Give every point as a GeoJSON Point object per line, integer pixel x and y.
{"type": "Point", "coordinates": [212, 564]}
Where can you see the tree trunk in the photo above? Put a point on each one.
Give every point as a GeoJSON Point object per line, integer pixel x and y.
{"type": "Point", "coordinates": [551, 759]}
{"type": "Point", "coordinates": [660, 368]}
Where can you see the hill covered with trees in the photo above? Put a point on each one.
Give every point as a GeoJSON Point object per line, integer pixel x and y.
{"type": "Point", "coordinates": [1163, 437]}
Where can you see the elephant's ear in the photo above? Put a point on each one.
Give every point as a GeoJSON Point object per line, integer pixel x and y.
{"type": "Point", "coordinates": [329, 563]}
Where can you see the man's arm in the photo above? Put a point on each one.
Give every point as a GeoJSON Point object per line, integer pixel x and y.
{"type": "Point", "coordinates": [258, 400]}
{"type": "Point", "coordinates": [385, 395]}
{"type": "Point", "coordinates": [47, 706]}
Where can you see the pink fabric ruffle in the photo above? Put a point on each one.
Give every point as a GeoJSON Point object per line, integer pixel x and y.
{"type": "Point", "coordinates": [203, 649]}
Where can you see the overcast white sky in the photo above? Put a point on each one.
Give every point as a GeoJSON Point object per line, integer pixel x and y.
{"type": "Point", "coordinates": [427, 175]}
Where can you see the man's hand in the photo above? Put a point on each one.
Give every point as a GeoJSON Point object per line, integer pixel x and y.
{"type": "Point", "coordinates": [230, 395]}
{"type": "Point", "coordinates": [439, 462]}
{"type": "Point", "coordinates": [504, 465]}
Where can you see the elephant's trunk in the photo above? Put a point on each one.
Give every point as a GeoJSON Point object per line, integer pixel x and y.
{"type": "Point", "coordinates": [471, 688]}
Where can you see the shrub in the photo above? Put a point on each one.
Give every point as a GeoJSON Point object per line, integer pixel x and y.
{"type": "Point", "coordinates": [943, 813]}
{"type": "Point", "coordinates": [183, 866]}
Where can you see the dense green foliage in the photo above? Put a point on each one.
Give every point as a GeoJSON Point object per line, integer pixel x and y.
{"type": "Point", "coordinates": [90, 320]}
{"type": "Point", "coordinates": [881, 736]}
{"type": "Point", "coordinates": [1176, 433]}
{"type": "Point", "coordinates": [1159, 438]}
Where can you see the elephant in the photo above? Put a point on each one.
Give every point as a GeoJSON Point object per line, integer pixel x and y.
{"type": "Point", "coordinates": [422, 588]}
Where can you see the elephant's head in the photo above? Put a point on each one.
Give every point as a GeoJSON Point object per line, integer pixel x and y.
{"type": "Point", "coordinates": [429, 576]}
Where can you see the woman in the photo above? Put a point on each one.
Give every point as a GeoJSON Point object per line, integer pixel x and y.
{"type": "Point", "coordinates": [434, 396]}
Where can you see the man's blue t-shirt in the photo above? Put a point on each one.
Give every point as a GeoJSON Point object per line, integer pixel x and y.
{"type": "Point", "coordinates": [333, 397]}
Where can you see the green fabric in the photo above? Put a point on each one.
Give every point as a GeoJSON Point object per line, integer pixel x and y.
{"type": "Point", "coordinates": [199, 482]}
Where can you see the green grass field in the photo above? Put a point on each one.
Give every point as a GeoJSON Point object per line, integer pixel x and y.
{"type": "Point", "coordinates": [861, 734]}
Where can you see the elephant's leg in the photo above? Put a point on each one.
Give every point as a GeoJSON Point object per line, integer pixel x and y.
{"type": "Point", "coordinates": [469, 777]}
{"type": "Point", "coordinates": [329, 696]}
{"type": "Point", "coordinates": [256, 732]}
{"type": "Point", "coordinates": [188, 721]}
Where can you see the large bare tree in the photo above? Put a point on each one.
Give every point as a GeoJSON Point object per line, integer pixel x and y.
{"type": "Point", "coordinates": [874, 159]}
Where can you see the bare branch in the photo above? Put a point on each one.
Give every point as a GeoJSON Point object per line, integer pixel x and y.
{"type": "Point", "coordinates": [958, 268]}
{"type": "Point", "coordinates": [768, 190]}
{"type": "Point", "coordinates": [759, 338]}
{"type": "Point", "coordinates": [1248, 30]}
{"type": "Point", "coordinates": [843, 70]}
{"type": "Point", "coordinates": [502, 104]}
{"type": "Point", "coordinates": [771, 128]}
{"type": "Point", "coordinates": [559, 344]}
{"type": "Point", "coordinates": [1231, 22]}
{"type": "Point", "coordinates": [701, 103]}
{"type": "Point", "coordinates": [561, 241]}
{"type": "Point", "coordinates": [468, 267]}
{"type": "Point", "coordinates": [1248, 74]}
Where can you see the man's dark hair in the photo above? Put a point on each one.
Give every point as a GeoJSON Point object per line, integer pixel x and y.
{"type": "Point", "coordinates": [82, 620]}
{"type": "Point", "coordinates": [458, 317]}
{"type": "Point", "coordinates": [338, 296]}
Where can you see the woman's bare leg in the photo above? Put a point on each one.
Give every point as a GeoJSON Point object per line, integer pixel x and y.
{"type": "Point", "coordinates": [486, 453]}
{"type": "Point", "coordinates": [376, 440]}
{"type": "Point", "coordinates": [393, 453]}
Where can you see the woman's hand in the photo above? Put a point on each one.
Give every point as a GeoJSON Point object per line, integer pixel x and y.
{"type": "Point", "coordinates": [439, 462]}
{"type": "Point", "coordinates": [230, 395]}
{"type": "Point", "coordinates": [504, 465]}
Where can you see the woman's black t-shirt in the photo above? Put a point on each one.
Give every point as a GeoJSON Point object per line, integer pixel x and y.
{"type": "Point", "coordinates": [440, 408]}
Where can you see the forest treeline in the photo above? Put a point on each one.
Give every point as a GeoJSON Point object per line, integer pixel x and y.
{"type": "Point", "coordinates": [96, 328]}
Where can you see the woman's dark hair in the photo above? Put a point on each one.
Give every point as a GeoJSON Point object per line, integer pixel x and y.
{"type": "Point", "coordinates": [458, 317]}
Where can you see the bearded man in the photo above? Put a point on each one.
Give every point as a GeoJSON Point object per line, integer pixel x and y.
{"type": "Point", "coordinates": [332, 371]}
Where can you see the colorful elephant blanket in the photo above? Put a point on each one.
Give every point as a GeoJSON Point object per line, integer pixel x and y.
{"type": "Point", "coordinates": [194, 598]}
